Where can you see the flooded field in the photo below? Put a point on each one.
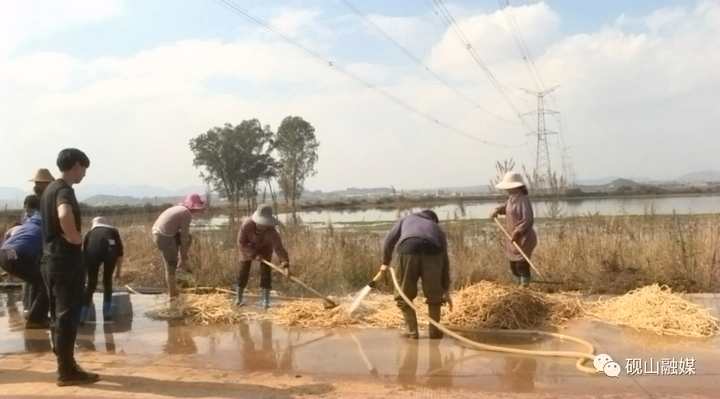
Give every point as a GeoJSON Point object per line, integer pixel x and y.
{"type": "Point", "coordinates": [683, 205]}
{"type": "Point", "coordinates": [372, 361]}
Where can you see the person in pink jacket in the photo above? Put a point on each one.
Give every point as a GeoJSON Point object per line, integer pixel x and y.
{"type": "Point", "coordinates": [171, 234]}
{"type": "Point", "coordinates": [519, 220]}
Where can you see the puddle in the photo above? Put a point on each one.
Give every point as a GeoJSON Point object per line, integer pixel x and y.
{"type": "Point", "coordinates": [378, 355]}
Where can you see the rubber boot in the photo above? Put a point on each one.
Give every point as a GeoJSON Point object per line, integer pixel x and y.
{"type": "Point", "coordinates": [84, 312]}
{"type": "Point", "coordinates": [239, 298]}
{"type": "Point", "coordinates": [171, 281]}
{"type": "Point", "coordinates": [434, 313]}
{"type": "Point", "coordinates": [107, 311]}
{"type": "Point", "coordinates": [524, 281]}
{"type": "Point", "coordinates": [265, 298]}
{"type": "Point", "coordinates": [411, 324]}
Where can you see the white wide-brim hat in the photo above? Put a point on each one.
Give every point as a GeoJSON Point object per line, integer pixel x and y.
{"type": "Point", "coordinates": [264, 216]}
{"type": "Point", "coordinates": [511, 180]}
{"type": "Point", "coordinates": [101, 222]}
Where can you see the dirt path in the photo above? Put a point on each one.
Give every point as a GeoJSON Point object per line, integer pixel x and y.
{"type": "Point", "coordinates": [29, 376]}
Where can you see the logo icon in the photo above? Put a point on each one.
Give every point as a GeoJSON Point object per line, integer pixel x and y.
{"type": "Point", "coordinates": [612, 369]}
{"type": "Point", "coordinates": [601, 360]}
{"type": "Point", "coordinates": [604, 363]}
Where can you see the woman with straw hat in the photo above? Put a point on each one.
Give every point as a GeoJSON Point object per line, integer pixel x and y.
{"type": "Point", "coordinates": [257, 240]}
{"type": "Point", "coordinates": [171, 233]}
{"type": "Point", "coordinates": [519, 220]}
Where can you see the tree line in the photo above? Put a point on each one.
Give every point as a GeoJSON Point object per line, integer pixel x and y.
{"type": "Point", "coordinates": [238, 160]}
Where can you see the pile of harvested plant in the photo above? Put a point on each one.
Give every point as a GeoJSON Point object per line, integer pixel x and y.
{"type": "Point", "coordinates": [201, 309]}
{"type": "Point", "coordinates": [488, 305]}
{"type": "Point", "coordinates": [484, 305]}
{"type": "Point", "coordinates": [657, 309]}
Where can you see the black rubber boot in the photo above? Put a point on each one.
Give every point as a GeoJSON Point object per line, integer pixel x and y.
{"type": "Point", "coordinates": [265, 298]}
{"type": "Point", "coordinates": [77, 377]}
{"type": "Point", "coordinates": [434, 313]}
{"type": "Point", "coordinates": [411, 323]}
{"type": "Point", "coordinates": [239, 296]}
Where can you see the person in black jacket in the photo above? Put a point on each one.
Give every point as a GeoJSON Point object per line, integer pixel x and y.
{"type": "Point", "coordinates": [63, 273]}
{"type": "Point", "coordinates": [102, 246]}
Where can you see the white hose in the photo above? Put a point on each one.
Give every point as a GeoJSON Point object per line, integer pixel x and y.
{"type": "Point", "coordinates": [581, 357]}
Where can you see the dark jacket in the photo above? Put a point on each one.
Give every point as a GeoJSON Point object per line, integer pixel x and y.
{"type": "Point", "coordinates": [253, 242]}
{"type": "Point", "coordinates": [415, 227]}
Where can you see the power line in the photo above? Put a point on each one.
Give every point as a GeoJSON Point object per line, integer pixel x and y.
{"type": "Point", "coordinates": [450, 21]}
{"type": "Point", "coordinates": [242, 12]}
{"type": "Point", "coordinates": [566, 160]}
{"type": "Point", "coordinates": [520, 43]}
{"type": "Point", "coordinates": [419, 62]}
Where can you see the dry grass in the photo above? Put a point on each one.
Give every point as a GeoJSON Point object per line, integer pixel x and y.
{"type": "Point", "coordinates": [606, 255]}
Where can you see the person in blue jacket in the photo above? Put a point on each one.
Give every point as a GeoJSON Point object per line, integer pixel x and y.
{"type": "Point", "coordinates": [20, 256]}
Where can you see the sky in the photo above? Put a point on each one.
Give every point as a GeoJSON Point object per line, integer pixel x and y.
{"type": "Point", "coordinates": [130, 82]}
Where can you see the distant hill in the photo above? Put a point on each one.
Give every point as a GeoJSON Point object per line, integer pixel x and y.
{"type": "Point", "coordinates": [12, 194]}
{"type": "Point", "coordinates": [118, 200]}
{"type": "Point", "coordinates": [601, 181]}
{"type": "Point", "coordinates": [617, 183]}
{"type": "Point", "coordinates": [705, 176]}
{"type": "Point", "coordinates": [85, 192]}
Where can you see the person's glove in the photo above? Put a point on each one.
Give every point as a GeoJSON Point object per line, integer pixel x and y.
{"type": "Point", "coordinates": [494, 214]}
{"type": "Point", "coordinates": [286, 268]}
{"type": "Point", "coordinates": [448, 300]}
{"type": "Point", "coordinates": [517, 236]}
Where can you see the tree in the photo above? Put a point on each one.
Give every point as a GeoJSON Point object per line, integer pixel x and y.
{"type": "Point", "coordinates": [297, 148]}
{"type": "Point", "coordinates": [234, 159]}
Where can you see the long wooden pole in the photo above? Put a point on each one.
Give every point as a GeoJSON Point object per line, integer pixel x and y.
{"type": "Point", "coordinates": [497, 222]}
{"type": "Point", "coordinates": [300, 283]}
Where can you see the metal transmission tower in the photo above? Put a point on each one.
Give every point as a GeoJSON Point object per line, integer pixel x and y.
{"type": "Point", "coordinates": [543, 165]}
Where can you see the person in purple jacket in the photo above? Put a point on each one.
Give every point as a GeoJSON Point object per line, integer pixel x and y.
{"type": "Point", "coordinates": [422, 255]}
{"type": "Point", "coordinates": [519, 221]}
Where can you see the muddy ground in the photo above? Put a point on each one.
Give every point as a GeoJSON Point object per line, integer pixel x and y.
{"type": "Point", "coordinates": [142, 358]}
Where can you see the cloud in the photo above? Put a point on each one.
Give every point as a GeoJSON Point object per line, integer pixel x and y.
{"type": "Point", "coordinates": [23, 20]}
{"type": "Point", "coordinates": [291, 22]}
{"type": "Point", "coordinates": [631, 97]}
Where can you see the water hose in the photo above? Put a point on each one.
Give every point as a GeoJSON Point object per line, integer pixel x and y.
{"type": "Point", "coordinates": [582, 357]}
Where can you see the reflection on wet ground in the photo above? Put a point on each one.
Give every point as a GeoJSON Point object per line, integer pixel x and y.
{"type": "Point", "coordinates": [376, 355]}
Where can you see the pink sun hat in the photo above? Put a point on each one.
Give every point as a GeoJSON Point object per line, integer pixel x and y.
{"type": "Point", "coordinates": [193, 202]}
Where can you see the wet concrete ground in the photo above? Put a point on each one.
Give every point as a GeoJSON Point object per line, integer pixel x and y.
{"type": "Point", "coordinates": [139, 357]}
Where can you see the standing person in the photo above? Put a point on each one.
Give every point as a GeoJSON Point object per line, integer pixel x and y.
{"type": "Point", "coordinates": [64, 274]}
{"type": "Point", "coordinates": [422, 248]}
{"type": "Point", "coordinates": [42, 179]}
{"type": "Point", "coordinates": [20, 256]}
{"type": "Point", "coordinates": [519, 220]}
{"type": "Point", "coordinates": [257, 240]}
{"type": "Point", "coordinates": [102, 246]}
{"type": "Point", "coordinates": [171, 233]}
